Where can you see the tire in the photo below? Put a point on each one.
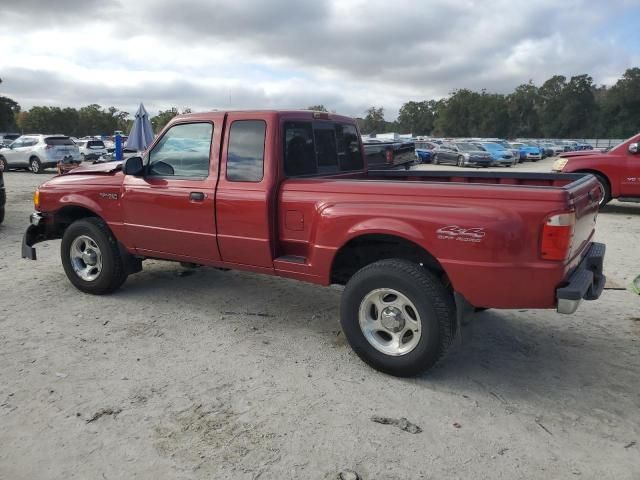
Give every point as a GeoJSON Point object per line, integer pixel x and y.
{"type": "Point", "coordinates": [461, 161]}
{"type": "Point", "coordinates": [433, 311]}
{"type": "Point", "coordinates": [605, 187]}
{"type": "Point", "coordinates": [82, 157]}
{"type": "Point", "coordinates": [4, 166]}
{"type": "Point", "coordinates": [35, 165]}
{"type": "Point", "coordinates": [111, 271]}
{"type": "Point", "coordinates": [435, 160]}
{"type": "Point", "coordinates": [1, 214]}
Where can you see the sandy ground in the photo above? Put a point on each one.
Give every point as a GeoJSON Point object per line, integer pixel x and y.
{"type": "Point", "coordinates": [193, 374]}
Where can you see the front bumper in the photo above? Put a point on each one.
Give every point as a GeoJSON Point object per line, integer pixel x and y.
{"type": "Point", "coordinates": [36, 232]}
{"type": "Point", "coordinates": [585, 282]}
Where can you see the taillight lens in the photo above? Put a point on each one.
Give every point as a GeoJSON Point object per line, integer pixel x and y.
{"type": "Point", "coordinates": [390, 156]}
{"type": "Point", "coordinates": [48, 147]}
{"type": "Point", "coordinates": [557, 235]}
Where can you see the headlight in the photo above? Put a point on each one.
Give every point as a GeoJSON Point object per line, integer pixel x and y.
{"type": "Point", "coordinates": [36, 199]}
{"type": "Point", "coordinates": [559, 164]}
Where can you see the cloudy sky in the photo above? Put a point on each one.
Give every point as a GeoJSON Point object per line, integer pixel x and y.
{"type": "Point", "coordinates": [347, 55]}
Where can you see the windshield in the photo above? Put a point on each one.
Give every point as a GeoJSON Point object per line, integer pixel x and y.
{"type": "Point", "coordinates": [635, 138]}
{"type": "Point", "coordinates": [492, 146]}
{"type": "Point", "coordinates": [466, 147]}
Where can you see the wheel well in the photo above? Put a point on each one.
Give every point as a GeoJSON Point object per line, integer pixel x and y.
{"type": "Point", "coordinates": [597, 173]}
{"type": "Point", "coordinates": [366, 249]}
{"type": "Point", "coordinates": [67, 215]}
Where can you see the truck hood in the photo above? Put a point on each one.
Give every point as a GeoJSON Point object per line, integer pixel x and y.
{"type": "Point", "coordinates": [96, 168]}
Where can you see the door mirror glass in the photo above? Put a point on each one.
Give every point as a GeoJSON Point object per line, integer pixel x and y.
{"type": "Point", "coordinates": [133, 166]}
{"type": "Point", "coordinates": [633, 148]}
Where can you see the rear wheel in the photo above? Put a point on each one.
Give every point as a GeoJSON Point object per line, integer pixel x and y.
{"type": "Point", "coordinates": [605, 188]}
{"type": "Point", "coordinates": [398, 317]}
{"type": "Point", "coordinates": [461, 161]}
{"type": "Point", "coordinates": [91, 257]}
{"type": "Point", "coordinates": [35, 165]}
{"type": "Point", "coordinates": [436, 161]}
{"type": "Point", "coordinates": [4, 166]}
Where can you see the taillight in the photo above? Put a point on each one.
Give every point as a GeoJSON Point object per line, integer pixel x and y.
{"type": "Point", "coordinates": [390, 155]}
{"type": "Point", "coordinates": [48, 147]}
{"type": "Point", "coordinates": [557, 234]}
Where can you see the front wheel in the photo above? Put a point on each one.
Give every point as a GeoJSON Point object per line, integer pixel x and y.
{"type": "Point", "coordinates": [436, 161]}
{"type": "Point", "coordinates": [398, 317]}
{"type": "Point", "coordinates": [461, 161]}
{"type": "Point", "coordinates": [4, 166]}
{"type": "Point", "coordinates": [91, 257]}
{"type": "Point", "coordinates": [35, 165]}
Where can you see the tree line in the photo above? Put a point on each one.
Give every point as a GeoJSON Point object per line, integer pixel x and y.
{"type": "Point", "coordinates": [559, 108]}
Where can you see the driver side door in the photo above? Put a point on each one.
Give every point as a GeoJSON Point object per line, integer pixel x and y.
{"type": "Point", "coordinates": [169, 211]}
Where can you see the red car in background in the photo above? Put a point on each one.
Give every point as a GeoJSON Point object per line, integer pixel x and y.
{"type": "Point", "coordinates": [617, 171]}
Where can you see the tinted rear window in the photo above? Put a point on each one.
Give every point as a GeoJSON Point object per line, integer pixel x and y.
{"type": "Point", "coordinates": [95, 143]}
{"type": "Point", "coordinates": [59, 141]}
{"type": "Point", "coordinates": [320, 147]}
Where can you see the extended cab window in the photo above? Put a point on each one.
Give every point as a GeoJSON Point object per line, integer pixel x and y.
{"type": "Point", "coordinates": [320, 148]}
{"type": "Point", "coordinates": [245, 157]}
{"type": "Point", "coordinates": [182, 152]}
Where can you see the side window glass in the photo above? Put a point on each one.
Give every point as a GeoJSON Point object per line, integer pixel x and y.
{"type": "Point", "coordinates": [299, 149]}
{"type": "Point", "coordinates": [326, 149]}
{"type": "Point", "coordinates": [349, 153]}
{"type": "Point", "coordinates": [245, 156]}
{"type": "Point", "coordinates": [182, 152]}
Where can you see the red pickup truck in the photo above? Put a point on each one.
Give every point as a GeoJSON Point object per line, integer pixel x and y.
{"type": "Point", "coordinates": [288, 193]}
{"type": "Point", "coordinates": [617, 171]}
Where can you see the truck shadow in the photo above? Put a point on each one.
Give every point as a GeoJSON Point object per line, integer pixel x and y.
{"type": "Point", "coordinates": [618, 208]}
{"type": "Point", "coordinates": [519, 356]}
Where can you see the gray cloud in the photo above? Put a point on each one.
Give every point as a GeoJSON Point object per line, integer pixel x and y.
{"type": "Point", "coordinates": [312, 52]}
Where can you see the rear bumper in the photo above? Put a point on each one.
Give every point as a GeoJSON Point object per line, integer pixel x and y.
{"type": "Point", "coordinates": [585, 282]}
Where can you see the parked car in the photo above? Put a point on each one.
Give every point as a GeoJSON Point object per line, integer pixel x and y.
{"type": "Point", "coordinates": [527, 152]}
{"type": "Point", "coordinates": [617, 171]}
{"type": "Point", "coordinates": [424, 150]}
{"type": "Point", "coordinates": [91, 149]}
{"type": "Point", "coordinates": [388, 154]}
{"type": "Point", "coordinates": [3, 194]}
{"type": "Point", "coordinates": [499, 154]}
{"type": "Point", "coordinates": [7, 138]}
{"type": "Point", "coordinates": [551, 149]}
{"type": "Point", "coordinates": [462, 154]}
{"type": "Point", "coordinates": [288, 193]}
{"type": "Point", "coordinates": [38, 152]}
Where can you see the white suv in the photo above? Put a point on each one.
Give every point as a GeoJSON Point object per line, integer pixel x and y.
{"type": "Point", "coordinates": [90, 148]}
{"type": "Point", "coordinates": [37, 152]}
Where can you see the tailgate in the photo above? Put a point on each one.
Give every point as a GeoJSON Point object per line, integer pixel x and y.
{"type": "Point", "coordinates": [584, 197]}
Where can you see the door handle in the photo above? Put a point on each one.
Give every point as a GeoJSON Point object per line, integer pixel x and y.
{"type": "Point", "coordinates": [196, 196]}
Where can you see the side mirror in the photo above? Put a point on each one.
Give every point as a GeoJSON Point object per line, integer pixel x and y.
{"type": "Point", "coordinates": [633, 148]}
{"type": "Point", "coordinates": [133, 166]}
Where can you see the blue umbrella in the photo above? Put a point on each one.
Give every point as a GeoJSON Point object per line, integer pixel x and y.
{"type": "Point", "coordinates": [141, 134]}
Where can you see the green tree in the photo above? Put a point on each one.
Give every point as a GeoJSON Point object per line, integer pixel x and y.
{"type": "Point", "coordinates": [8, 110]}
{"type": "Point", "coordinates": [620, 106]}
{"type": "Point", "coordinates": [523, 106]}
{"type": "Point", "coordinates": [551, 105]}
{"type": "Point", "coordinates": [163, 117]}
{"type": "Point", "coordinates": [374, 121]}
{"type": "Point", "coordinates": [318, 108]}
{"type": "Point", "coordinates": [417, 117]}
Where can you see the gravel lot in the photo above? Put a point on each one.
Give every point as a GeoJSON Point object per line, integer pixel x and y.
{"type": "Point", "coordinates": [194, 374]}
